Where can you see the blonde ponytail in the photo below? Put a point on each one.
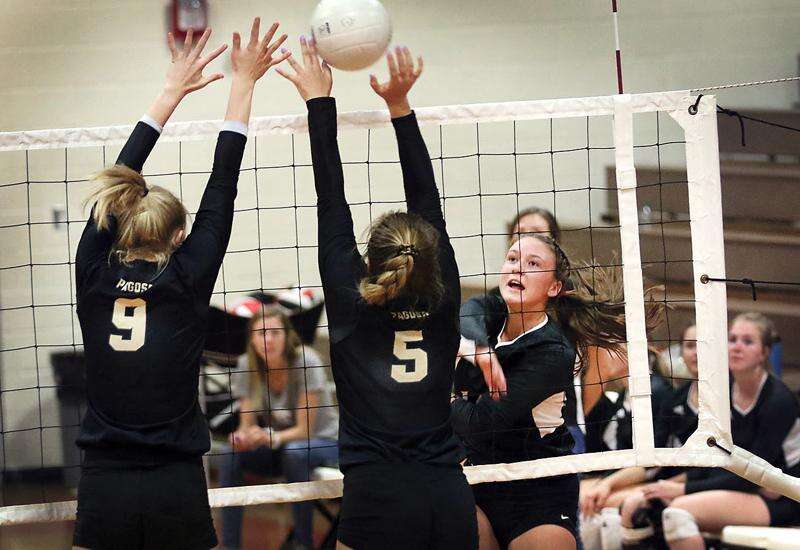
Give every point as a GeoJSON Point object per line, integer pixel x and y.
{"type": "Point", "coordinates": [403, 260]}
{"type": "Point", "coordinates": [387, 285]}
{"type": "Point", "coordinates": [147, 217]}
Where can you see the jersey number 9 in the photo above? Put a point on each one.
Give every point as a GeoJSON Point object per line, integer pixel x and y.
{"type": "Point", "coordinates": [419, 357]}
{"type": "Point", "coordinates": [136, 323]}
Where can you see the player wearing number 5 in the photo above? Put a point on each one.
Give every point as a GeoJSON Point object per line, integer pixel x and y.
{"type": "Point", "coordinates": [142, 297]}
{"type": "Point", "coordinates": [393, 323]}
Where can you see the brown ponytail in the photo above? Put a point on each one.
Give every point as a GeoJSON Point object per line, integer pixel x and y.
{"type": "Point", "coordinates": [147, 218]}
{"type": "Point", "coordinates": [403, 258]}
{"type": "Point", "coordinates": [591, 305]}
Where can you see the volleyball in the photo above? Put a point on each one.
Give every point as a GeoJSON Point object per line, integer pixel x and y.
{"type": "Point", "coordinates": [351, 34]}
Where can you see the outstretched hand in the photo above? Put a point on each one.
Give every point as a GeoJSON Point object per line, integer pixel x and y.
{"type": "Point", "coordinates": [255, 59]}
{"type": "Point", "coordinates": [402, 76]}
{"type": "Point", "coordinates": [313, 78]}
{"type": "Point", "coordinates": [185, 73]}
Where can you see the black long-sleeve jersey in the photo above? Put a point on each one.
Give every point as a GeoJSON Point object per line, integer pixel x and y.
{"type": "Point", "coordinates": [528, 422]}
{"type": "Point", "coordinates": [769, 429]}
{"type": "Point", "coordinates": [482, 316]}
{"type": "Point", "coordinates": [393, 365]}
{"type": "Point", "coordinates": [144, 328]}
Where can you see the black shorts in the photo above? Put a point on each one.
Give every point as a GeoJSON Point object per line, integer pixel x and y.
{"type": "Point", "coordinates": [407, 505]}
{"type": "Point", "coordinates": [783, 512]}
{"type": "Point", "coordinates": [515, 507]}
{"type": "Point", "coordinates": [144, 507]}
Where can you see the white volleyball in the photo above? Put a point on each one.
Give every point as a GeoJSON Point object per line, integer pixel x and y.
{"type": "Point", "coordinates": [351, 34]}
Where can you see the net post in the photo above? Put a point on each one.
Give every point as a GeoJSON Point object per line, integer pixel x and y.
{"type": "Point", "coordinates": [638, 364]}
{"type": "Point", "coordinates": [708, 258]}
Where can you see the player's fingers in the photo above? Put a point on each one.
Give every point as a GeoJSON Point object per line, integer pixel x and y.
{"type": "Point", "coordinates": [392, 66]}
{"type": "Point", "coordinates": [206, 80]}
{"type": "Point", "coordinates": [270, 33]}
{"type": "Point", "coordinates": [198, 49]}
{"type": "Point", "coordinates": [187, 43]}
{"type": "Point", "coordinates": [254, 32]}
{"type": "Point", "coordinates": [293, 62]}
{"type": "Point", "coordinates": [280, 59]}
{"type": "Point", "coordinates": [212, 56]}
{"type": "Point", "coordinates": [373, 81]}
{"type": "Point", "coordinates": [420, 66]}
{"type": "Point", "coordinates": [401, 61]}
{"type": "Point", "coordinates": [312, 50]}
{"type": "Point", "coordinates": [307, 59]}
{"type": "Point", "coordinates": [173, 51]}
{"type": "Point", "coordinates": [409, 61]}
{"type": "Point", "coordinates": [237, 41]}
{"type": "Point", "coordinates": [277, 44]}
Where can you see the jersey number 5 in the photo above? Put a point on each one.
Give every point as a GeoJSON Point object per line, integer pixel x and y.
{"type": "Point", "coordinates": [136, 323]}
{"type": "Point", "coordinates": [419, 367]}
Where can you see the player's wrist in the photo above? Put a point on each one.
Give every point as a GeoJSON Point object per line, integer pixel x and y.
{"type": "Point", "coordinates": [243, 80]}
{"type": "Point", "coordinates": [314, 92]}
{"type": "Point", "coordinates": [399, 108]}
{"type": "Point", "coordinates": [171, 95]}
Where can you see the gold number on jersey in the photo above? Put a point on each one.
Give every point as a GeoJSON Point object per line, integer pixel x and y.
{"type": "Point", "coordinates": [419, 369]}
{"type": "Point", "coordinates": [136, 323]}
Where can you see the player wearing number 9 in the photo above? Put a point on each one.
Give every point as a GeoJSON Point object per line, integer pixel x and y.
{"type": "Point", "coordinates": [142, 300]}
{"type": "Point", "coordinates": [393, 323]}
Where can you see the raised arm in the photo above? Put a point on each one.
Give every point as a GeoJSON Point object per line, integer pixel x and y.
{"type": "Point", "coordinates": [422, 196]}
{"type": "Point", "coordinates": [204, 249]}
{"type": "Point", "coordinates": [339, 262]}
{"type": "Point", "coordinates": [185, 75]}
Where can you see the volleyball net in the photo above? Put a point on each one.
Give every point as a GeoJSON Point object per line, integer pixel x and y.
{"type": "Point", "coordinates": [633, 180]}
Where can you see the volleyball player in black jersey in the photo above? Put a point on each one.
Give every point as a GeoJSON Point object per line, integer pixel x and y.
{"type": "Point", "coordinates": [142, 297]}
{"type": "Point", "coordinates": [393, 323]}
{"type": "Point", "coordinates": [483, 314]}
{"type": "Point", "coordinates": [536, 347]}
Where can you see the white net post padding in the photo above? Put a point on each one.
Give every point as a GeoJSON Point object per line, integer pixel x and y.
{"type": "Point", "coordinates": [708, 256]}
{"type": "Point", "coordinates": [636, 331]}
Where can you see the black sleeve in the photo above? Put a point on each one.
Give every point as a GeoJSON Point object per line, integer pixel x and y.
{"type": "Point", "coordinates": [94, 244]}
{"type": "Point", "coordinates": [422, 196]}
{"type": "Point", "coordinates": [201, 254]}
{"type": "Point", "coordinates": [713, 479]}
{"type": "Point", "coordinates": [138, 147]}
{"type": "Point", "coordinates": [538, 376]}
{"type": "Point", "coordinates": [482, 317]}
{"type": "Point", "coordinates": [340, 264]}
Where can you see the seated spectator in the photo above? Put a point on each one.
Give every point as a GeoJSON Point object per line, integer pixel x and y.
{"type": "Point", "coordinates": [288, 423]}
{"type": "Point", "coordinates": [765, 420]}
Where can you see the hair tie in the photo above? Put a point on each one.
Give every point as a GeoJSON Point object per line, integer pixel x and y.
{"type": "Point", "coordinates": [408, 250]}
